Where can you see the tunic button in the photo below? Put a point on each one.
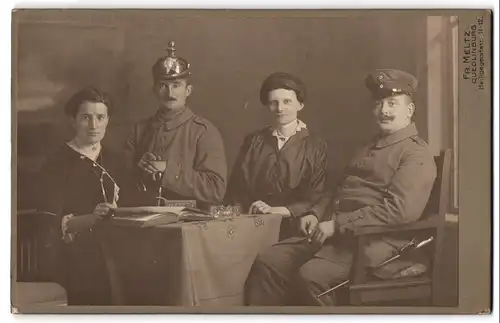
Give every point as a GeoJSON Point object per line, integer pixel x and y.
{"type": "Point", "coordinates": [176, 176]}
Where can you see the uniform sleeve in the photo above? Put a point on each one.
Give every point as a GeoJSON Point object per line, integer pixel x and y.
{"type": "Point", "coordinates": [206, 179]}
{"type": "Point", "coordinates": [238, 186]}
{"type": "Point", "coordinates": [130, 149]}
{"type": "Point", "coordinates": [314, 189]}
{"type": "Point", "coordinates": [405, 198]}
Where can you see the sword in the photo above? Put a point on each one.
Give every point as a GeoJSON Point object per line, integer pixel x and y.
{"type": "Point", "coordinates": [403, 249]}
{"type": "Point", "coordinates": [410, 246]}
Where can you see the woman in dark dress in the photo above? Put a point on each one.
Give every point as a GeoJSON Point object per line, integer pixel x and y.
{"type": "Point", "coordinates": [280, 168]}
{"type": "Point", "coordinates": [77, 184]}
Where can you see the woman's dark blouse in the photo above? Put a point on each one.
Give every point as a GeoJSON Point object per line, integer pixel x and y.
{"type": "Point", "coordinates": [69, 183]}
{"type": "Point", "coordinates": [293, 177]}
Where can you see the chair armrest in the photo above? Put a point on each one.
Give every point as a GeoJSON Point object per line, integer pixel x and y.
{"type": "Point", "coordinates": [32, 224]}
{"type": "Point", "coordinates": [26, 212]}
{"type": "Point", "coordinates": [35, 216]}
{"type": "Point", "coordinates": [433, 221]}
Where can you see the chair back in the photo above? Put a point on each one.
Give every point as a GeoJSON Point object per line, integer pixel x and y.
{"type": "Point", "coordinates": [439, 199]}
{"type": "Point", "coordinates": [37, 242]}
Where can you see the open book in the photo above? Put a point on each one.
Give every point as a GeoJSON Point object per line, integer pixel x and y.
{"type": "Point", "coordinates": [157, 215]}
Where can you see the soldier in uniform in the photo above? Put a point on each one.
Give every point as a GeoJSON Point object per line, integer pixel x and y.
{"type": "Point", "coordinates": [388, 182]}
{"type": "Point", "coordinates": [190, 148]}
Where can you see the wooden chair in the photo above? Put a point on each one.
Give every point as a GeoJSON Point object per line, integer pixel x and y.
{"type": "Point", "coordinates": [425, 288]}
{"type": "Point", "coordinates": [37, 261]}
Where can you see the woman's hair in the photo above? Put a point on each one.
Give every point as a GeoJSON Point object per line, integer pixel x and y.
{"type": "Point", "coordinates": [282, 80]}
{"type": "Point", "coordinates": [88, 94]}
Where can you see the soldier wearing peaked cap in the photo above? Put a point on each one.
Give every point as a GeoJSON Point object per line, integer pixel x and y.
{"type": "Point", "coordinates": [389, 82]}
{"type": "Point", "coordinates": [387, 182]}
{"type": "Point", "coordinates": [190, 148]}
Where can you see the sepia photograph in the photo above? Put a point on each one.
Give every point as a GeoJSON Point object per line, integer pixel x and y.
{"type": "Point", "coordinates": [251, 161]}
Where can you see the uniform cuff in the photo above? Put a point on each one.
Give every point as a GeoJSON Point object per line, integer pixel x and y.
{"type": "Point", "coordinates": [347, 221]}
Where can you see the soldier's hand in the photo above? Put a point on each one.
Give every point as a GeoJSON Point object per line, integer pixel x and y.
{"type": "Point", "coordinates": [145, 163]}
{"type": "Point", "coordinates": [323, 231]}
{"type": "Point", "coordinates": [308, 224]}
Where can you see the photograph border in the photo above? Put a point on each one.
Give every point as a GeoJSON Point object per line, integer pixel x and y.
{"type": "Point", "coordinates": [474, 194]}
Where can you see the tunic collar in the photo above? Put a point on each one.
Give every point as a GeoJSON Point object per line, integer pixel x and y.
{"type": "Point", "coordinates": [400, 135]}
{"type": "Point", "coordinates": [181, 118]}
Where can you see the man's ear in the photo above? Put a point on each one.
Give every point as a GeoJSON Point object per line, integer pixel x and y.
{"type": "Point", "coordinates": [411, 109]}
{"type": "Point", "coordinates": [189, 89]}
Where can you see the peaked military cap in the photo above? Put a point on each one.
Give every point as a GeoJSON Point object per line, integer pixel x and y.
{"type": "Point", "coordinates": [281, 80]}
{"type": "Point", "coordinates": [171, 67]}
{"type": "Point", "coordinates": [388, 82]}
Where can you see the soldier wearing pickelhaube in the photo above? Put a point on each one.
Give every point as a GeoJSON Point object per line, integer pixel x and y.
{"type": "Point", "coordinates": [190, 148]}
{"type": "Point", "coordinates": [388, 182]}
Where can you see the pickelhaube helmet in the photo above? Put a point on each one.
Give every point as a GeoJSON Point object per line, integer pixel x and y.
{"type": "Point", "coordinates": [171, 66]}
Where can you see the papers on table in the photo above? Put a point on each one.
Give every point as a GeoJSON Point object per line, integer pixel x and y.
{"type": "Point", "coordinates": [157, 215]}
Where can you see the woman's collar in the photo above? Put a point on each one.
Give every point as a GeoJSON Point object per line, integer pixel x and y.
{"type": "Point", "coordinates": [91, 151]}
{"type": "Point", "coordinates": [297, 123]}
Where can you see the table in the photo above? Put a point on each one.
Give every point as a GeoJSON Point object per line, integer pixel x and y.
{"type": "Point", "coordinates": [187, 264]}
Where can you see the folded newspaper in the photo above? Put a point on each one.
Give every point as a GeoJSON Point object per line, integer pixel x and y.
{"type": "Point", "coordinates": [146, 216]}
